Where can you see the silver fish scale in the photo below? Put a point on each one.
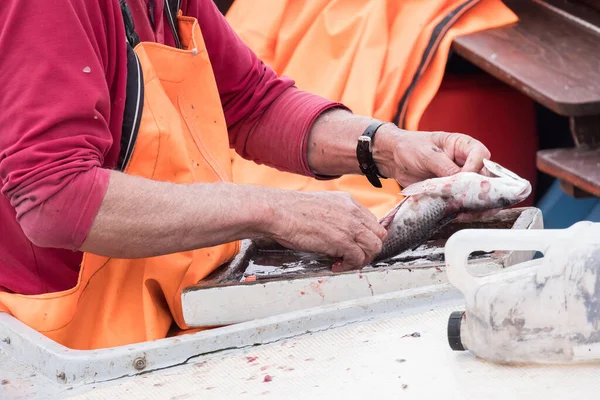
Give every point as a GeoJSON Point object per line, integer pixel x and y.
{"type": "Point", "coordinates": [409, 229]}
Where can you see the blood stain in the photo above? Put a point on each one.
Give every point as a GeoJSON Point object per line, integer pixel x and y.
{"type": "Point", "coordinates": [317, 289]}
{"type": "Point", "coordinates": [268, 378]}
{"type": "Point", "coordinates": [251, 359]}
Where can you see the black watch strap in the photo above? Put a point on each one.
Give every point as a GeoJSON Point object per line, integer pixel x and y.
{"type": "Point", "coordinates": [364, 154]}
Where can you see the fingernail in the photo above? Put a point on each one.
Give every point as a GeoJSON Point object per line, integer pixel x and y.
{"type": "Point", "coordinates": [337, 267]}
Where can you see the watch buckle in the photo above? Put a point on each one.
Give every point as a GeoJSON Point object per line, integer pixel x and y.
{"type": "Point", "coordinates": [363, 138]}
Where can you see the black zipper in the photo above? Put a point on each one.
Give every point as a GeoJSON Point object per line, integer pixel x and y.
{"type": "Point", "coordinates": [434, 41]}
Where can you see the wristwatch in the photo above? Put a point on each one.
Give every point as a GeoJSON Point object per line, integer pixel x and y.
{"type": "Point", "coordinates": [364, 154]}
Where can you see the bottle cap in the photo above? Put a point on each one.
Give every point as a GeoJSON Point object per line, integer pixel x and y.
{"type": "Point", "coordinates": [454, 330]}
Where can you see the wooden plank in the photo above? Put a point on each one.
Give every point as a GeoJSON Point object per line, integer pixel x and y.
{"type": "Point", "coordinates": [586, 13]}
{"type": "Point", "coordinates": [585, 130]}
{"type": "Point", "coordinates": [549, 57]}
{"type": "Point", "coordinates": [579, 167]}
{"type": "Point", "coordinates": [574, 191]}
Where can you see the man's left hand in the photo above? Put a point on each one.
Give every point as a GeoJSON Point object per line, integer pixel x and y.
{"type": "Point", "coordinates": [411, 157]}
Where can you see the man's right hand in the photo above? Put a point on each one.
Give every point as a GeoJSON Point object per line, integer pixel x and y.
{"type": "Point", "coordinates": [146, 218]}
{"type": "Point", "coordinates": [330, 223]}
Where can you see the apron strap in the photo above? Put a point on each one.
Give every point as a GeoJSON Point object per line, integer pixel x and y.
{"type": "Point", "coordinates": [132, 37]}
{"type": "Point", "coordinates": [172, 8]}
{"type": "Point", "coordinates": [134, 97]}
{"type": "Point", "coordinates": [134, 103]}
{"type": "Point", "coordinates": [134, 92]}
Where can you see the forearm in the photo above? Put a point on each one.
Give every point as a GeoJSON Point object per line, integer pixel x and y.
{"type": "Point", "coordinates": [144, 218]}
{"type": "Point", "coordinates": [277, 136]}
{"type": "Point", "coordinates": [332, 143]}
{"type": "Point", "coordinates": [406, 156]}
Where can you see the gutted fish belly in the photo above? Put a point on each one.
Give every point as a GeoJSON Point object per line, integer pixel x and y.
{"type": "Point", "coordinates": [432, 203]}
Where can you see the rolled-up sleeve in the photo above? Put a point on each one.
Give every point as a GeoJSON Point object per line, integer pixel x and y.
{"type": "Point", "coordinates": [269, 119]}
{"type": "Point", "coordinates": [55, 118]}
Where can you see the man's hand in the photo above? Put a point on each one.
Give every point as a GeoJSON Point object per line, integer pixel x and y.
{"type": "Point", "coordinates": [410, 157]}
{"type": "Point", "coordinates": [145, 218]}
{"type": "Point", "coordinates": [403, 155]}
{"type": "Point", "coordinates": [330, 223]}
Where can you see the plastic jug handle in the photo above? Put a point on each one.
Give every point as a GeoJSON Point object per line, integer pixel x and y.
{"type": "Point", "coordinates": [462, 243]}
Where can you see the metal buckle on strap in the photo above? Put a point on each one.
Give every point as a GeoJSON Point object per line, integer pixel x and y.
{"type": "Point", "coordinates": [173, 22]}
{"type": "Point", "coordinates": [364, 154]}
{"type": "Point", "coordinates": [130, 34]}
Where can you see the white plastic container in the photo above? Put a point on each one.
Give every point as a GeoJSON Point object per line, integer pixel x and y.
{"type": "Point", "coordinates": [545, 310]}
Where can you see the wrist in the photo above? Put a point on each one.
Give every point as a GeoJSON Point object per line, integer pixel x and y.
{"type": "Point", "coordinates": [383, 148]}
{"type": "Point", "coordinates": [332, 143]}
{"type": "Point", "coordinates": [264, 210]}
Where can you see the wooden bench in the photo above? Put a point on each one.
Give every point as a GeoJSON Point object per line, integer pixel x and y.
{"type": "Point", "coordinates": [553, 56]}
{"type": "Point", "coordinates": [578, 166]}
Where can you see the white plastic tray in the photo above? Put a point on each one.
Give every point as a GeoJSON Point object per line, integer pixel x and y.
{"type": "Point", "coordinates": [384, 347]}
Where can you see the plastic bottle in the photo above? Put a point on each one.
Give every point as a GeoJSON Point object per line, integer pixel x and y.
{"type": "Point", "coordinates": [544, 310]}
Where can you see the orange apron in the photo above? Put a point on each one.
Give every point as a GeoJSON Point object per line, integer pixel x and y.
{"type": "Point", "coordinates": [384, 59]}
{"type": "Point", "coordinates": [182, 138]}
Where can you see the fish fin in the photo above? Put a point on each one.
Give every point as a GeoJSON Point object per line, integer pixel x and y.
{"type": "Point", "coordinates": [389, 217]}
{"type": "Point", "coordinates": [498, 170]}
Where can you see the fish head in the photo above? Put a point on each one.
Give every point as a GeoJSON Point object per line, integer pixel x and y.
{"type": "Point", "coordinates": [507, 184]}
{"type": "Point", "coordinates": [496, 187]}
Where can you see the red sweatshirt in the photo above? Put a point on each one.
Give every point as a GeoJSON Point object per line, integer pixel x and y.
{"type": "Point", "coordinates": [60, 127]}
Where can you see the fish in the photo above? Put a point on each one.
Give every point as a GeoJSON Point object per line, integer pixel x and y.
{"type": "Point", "coordinates": [430, 204]}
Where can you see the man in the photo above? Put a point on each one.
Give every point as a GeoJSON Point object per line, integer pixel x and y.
{"type": "Point", "coordinates": [76, 186]}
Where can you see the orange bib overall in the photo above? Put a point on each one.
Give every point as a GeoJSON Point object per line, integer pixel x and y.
{"type": "Point", "coordinates": [182, 138]}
